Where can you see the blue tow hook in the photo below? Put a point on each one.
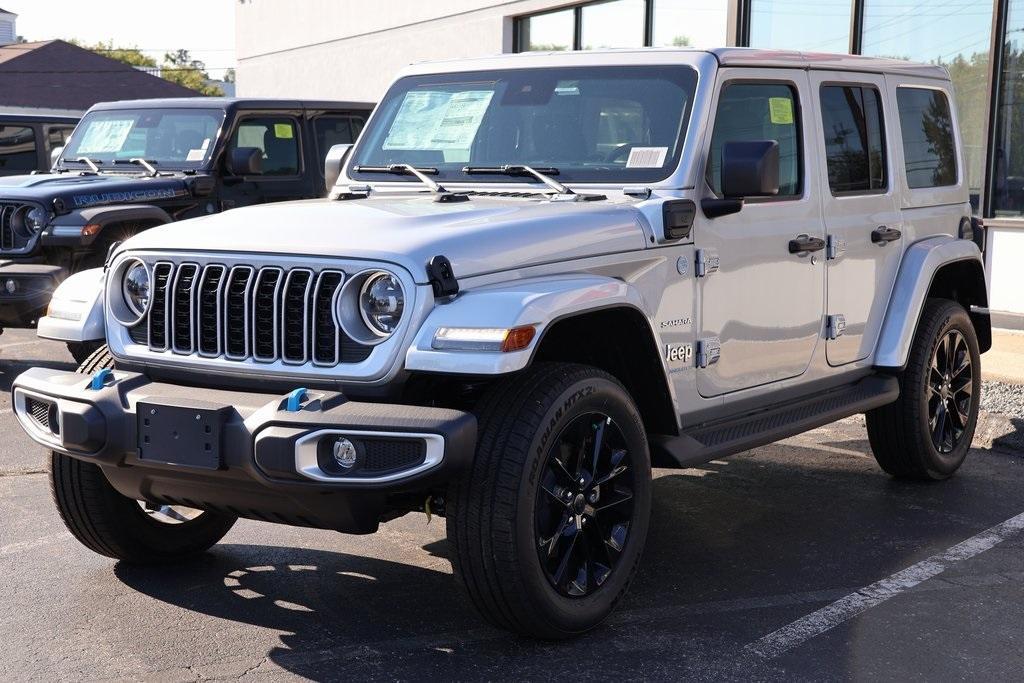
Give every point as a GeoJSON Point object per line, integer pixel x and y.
{"type": "Point", "coordinates": [295, 399]}
{"type": "Point", "coordinates": [100, 379]}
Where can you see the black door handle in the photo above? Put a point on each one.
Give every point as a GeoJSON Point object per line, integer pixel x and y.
{"type": "Point", "coordinates": [804, 243]}
{"type": "Point", "coordinates": [883, 235]}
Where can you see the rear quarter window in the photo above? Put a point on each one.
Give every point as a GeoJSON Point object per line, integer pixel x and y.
{"type": "Point", "coordinates": [929, 147]}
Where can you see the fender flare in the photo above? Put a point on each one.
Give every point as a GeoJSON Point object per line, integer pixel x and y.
{"type": "Point", "coordinates": [66, 230]}
{"type": "Point", "coordinates": [535, 301]}
{"type": "Point", "coordinates": [76, 309]}
{"type": "Point", "coordinates": [920, 263]}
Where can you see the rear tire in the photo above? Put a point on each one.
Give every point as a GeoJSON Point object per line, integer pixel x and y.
{"type": "Point", "coordinates": [926, 433]}
{"type": "Point", "coordinates": [544, 536]}
{"type": "Point", "coordinates": [114, 525]}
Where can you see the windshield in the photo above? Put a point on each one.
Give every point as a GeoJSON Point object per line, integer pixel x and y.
{"type": "Point", "coordinates": [166, 138]}
{"type": "Point", "coordinates": [583, 124]}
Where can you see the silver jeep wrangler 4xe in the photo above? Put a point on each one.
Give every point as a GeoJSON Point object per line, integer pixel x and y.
{"type": "Point", "coordinates": [535, 278]}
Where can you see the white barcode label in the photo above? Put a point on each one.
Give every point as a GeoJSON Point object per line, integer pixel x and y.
{"type": "Point", "coordinates": [647, 157]}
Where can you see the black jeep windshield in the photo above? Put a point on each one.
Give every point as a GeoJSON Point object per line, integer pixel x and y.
{"type": "Point", "coordinates": [582, 124]}
{"type": "Point", "coordinates": [167, 138]}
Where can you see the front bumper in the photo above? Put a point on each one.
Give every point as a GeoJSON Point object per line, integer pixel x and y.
{"type": "Point", "coordinates": [253, 455]}
{"type": "Point", "coordinates": [33, 285]}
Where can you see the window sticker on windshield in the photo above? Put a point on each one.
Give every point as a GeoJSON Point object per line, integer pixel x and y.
{"type": "Point", "coordinates": [105, 136]}
{"type": "Point", "coordinates": [438, 120]}
{"type": "Point", "coordinates": [647, 157]}
{"type": "Point", "coordinates": [195, 155]}
{"type": "Point", "coordinates": [206, 144]}
{"type": "Point", "coordinates": [283, 131]}
{"type": "Point", "coordinates": [781, 110]}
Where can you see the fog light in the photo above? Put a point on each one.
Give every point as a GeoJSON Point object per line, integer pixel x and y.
{"type": "Point", "coordinates": [11, 286]}
{"type": "Point", "coordinates": [345, 453]}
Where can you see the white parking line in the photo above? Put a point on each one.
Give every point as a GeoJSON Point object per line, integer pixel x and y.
{"type": "Point", "coordinates": [840, 611]}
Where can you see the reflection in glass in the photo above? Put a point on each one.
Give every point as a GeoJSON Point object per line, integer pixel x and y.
{"type": "Point", "coordinates": [929, 152]}
{"type": "Point", "coordinates": [1008, 164]}
{"type": "Point", "coordinates": [785, 25]}
{"type": "Point", "coordinates": [951, 33]}
{"type": "Point", "coordinates": [619, 23]}
{"type": "Point", "coordinates": [547, 32]}
{"type": "Point", "coordinates": [690, 23]}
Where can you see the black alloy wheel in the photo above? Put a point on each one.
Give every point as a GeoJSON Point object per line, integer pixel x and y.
{"type": "Point", "coordinates": [951, 385]}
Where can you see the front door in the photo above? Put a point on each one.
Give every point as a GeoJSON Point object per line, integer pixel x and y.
{"type": "Point", "coordinates": [862, 218]}
{"type": "Point", "coordinates": [278, 138]}
{"type": "Point", "coordinates": [761, 306]}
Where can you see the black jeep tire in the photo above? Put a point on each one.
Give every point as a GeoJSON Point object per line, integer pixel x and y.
{"type": "Point", "coordinates": [114, 525]}
{"type": "Point", "coordinates": [926, 433]}
{"type": "Point", "coordinates": [517, 574]}
{"type": "Point", "coordinates": [81, 351]}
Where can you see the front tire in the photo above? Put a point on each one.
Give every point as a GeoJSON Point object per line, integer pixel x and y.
{"type": "Point", "coordinates": [926, 433]}
{"type": "Point", "coordinates": [114, 525]}
{"type": "Point", "coordinates": [547, 529]}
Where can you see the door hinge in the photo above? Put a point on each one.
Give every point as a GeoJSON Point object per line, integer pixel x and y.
{"type": "Point", "coordinates": [835, 325]}
{"type": "Point", "coordinates": [708, 352]}
{"type": "Point", "coordinates": [834, 248]}
{"type": "Point", "coordinates": [705, 262]}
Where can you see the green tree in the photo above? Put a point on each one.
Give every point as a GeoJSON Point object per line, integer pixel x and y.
{"type": "Point", "coordinates": [131, 56]}
{"type": "Point", "coordinates": [180, 68]}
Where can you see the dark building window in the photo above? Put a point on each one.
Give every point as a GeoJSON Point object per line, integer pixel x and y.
{"type": "Point", "coordinates": [758, 111]}
{"type": "Point", "coordinates": [851, 118]}
{"type": "Point", "coordinates": [929, 151]}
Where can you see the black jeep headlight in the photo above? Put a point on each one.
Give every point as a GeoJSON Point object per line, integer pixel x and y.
{"type": "Point", "coordinates": [36, 219]}
{"type": "Point", "coordinates": [381, 303]}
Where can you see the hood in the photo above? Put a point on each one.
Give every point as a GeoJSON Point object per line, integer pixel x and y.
{"type": "Point", "coordinates": [478, 236]}
{"type": "Point", "coordinates": [80, 191]}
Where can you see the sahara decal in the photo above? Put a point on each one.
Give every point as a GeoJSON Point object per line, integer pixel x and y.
{"type": "Point", "coordinates": [127, 196]}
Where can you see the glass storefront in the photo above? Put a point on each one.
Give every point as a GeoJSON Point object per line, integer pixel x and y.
{"type": "Point", "coordinates": [782, 24]}
{"type": "Point", "coordinates": [1007, 164]}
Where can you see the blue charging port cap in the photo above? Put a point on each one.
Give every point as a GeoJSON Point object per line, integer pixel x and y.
{"type": "Point", "coordinates": [100, 379]}
{"type": "Point", "coordinates": [294, 400]}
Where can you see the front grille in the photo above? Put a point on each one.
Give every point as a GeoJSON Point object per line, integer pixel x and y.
{"type": "Point", "coordinates": [15, 237]}
{"type": "Point", "coordinates": [245, 313]}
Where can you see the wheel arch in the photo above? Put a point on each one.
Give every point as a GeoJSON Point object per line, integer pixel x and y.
{"type": "Point", "coordinates": [939, 267]}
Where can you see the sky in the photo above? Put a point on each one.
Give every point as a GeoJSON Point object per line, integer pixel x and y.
{"type": "Point", "coordinates": [204, 27]}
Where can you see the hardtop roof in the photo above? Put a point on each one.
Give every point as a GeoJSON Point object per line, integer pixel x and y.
{"type": "Point", "coordinates": [230, 104]}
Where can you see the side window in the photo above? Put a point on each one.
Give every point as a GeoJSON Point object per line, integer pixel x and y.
{"type": "Point", "coordinates": [57, 136]}
{"type": "Point", "coordinates": [929, 150]}
{"type": "Point", "coordinates": [17, 149]}
{"type": "Point", "coordinates": [758, 111]}
{"type": "Point", "coordinates": [332, 130]}
{"type": "Point", "coordinates": [276, 137]}
{"type": "Point", "coordinates": [851, 117]}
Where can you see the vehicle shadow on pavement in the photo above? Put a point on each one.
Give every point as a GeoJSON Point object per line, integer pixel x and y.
{"type": "Point", "coordinates": [737, 549]}
{"type": "Point", "coordinates": [10, 369]}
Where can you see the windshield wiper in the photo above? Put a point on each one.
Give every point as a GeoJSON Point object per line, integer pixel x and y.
{"type": "Point", "coordinates": [84, 160]}
{"type": "Point", "coordinates": [442, 194]}
{"type": "Point", "coordinates": [519, 170]}
{"type": "Point", "coordinates": [144, 163]}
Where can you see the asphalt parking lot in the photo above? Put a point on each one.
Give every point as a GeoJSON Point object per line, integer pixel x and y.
{"type": "Point", "coordinates": [801, 560]}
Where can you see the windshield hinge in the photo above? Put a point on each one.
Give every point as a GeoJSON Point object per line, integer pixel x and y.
{"type": "Point", "coordinates": [344, 192]}
{"type": "Point", "coordinates": [637, 192]}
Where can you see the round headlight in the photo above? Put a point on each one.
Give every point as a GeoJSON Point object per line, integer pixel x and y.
{"type": "Point", "coordinates": [381, 302]}
{"type": "Point", "coordinates": [36, 219]}
{"type": "Point", "coordinates": [135, 287]}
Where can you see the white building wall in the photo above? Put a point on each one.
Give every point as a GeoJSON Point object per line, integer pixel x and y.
{"type": "Point", "coordinates": [337, 49]}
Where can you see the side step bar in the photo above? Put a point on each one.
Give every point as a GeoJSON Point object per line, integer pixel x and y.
{"type": "Point", "coordinates": [717, 439]}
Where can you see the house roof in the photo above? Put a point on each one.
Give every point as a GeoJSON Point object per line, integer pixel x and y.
{"type": "Point", "coordinates": [3, 11]}
{"type": "Point", "coordinates": [55, 74]}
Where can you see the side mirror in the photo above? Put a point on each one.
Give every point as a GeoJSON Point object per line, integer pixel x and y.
{"type": "Point", "coordinates": [750, 169]}
{"type": "Point", "coordinates": [333, 163]}
{"type": "Point", "coordinates": [244, 161]}
{"type": "Point", "coordinates": [55, 155]}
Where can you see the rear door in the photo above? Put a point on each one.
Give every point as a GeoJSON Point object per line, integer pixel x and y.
{"type": "Point", "coordinates": [760, 305]}
{"type": "Point", "coordinates": [862, 217]}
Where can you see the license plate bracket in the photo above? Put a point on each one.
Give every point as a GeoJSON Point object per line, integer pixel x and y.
{"type": "Point", "coordinates": [184, 433]}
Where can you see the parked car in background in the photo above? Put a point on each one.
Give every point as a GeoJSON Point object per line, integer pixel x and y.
{"type": "Point", "coordinates": [135, 164]}
{"type": "Point", "coordinates": [27, 141]}
{"type": "Point", "coordinates": [537, 277]}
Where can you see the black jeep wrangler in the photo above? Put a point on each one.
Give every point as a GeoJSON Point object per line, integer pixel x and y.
{"type": "Point", "coordinates": [132, 165]}
{"type": "Point", "coordinates": [27, 140]}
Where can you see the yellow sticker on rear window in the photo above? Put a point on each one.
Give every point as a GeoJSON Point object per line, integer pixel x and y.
{"type": "Point", "coordinates": [781, 110]}
{"type": "Point", "coordinates": [283, 131]}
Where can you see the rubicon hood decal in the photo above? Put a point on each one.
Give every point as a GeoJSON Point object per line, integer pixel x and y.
{"type": "Point", "coordinates": [81, 191]}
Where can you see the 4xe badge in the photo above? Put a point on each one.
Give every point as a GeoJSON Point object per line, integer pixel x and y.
{"type": "Point", "coordinates": [675, 353]}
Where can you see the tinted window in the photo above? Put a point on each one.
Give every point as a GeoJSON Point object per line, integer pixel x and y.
{"type": "Point", "coordinates": [276, 137]}
{"type": "Point", "coordinates": [854, 139]}
{"type": "Point", "coordinates": [928, 148]}
{"type": "Point", "coordinates": [332, 130]}
{"type": "Point", "coordinates": [758, 111]}
{"type": "Point", "coordinates": [17, 149]}
{"type": "Point", "coordinates": [58, 135]}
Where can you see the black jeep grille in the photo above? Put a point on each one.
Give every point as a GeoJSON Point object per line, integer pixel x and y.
{"type": "Point", "coordinates": [14, 235]}
{"type": "Point", "coordinates": [240, 313]}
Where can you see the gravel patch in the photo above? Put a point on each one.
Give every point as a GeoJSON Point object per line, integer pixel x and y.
{"type": "Point", "coordinates": [1002, 398]}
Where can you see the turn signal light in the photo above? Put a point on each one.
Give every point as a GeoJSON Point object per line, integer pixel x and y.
{"type": "Point", "coordinates": [518, 338]}
{"type": "Point", "coordinates": [91, 229]}
{"type": "Point", "coordinates": [500, 339]}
